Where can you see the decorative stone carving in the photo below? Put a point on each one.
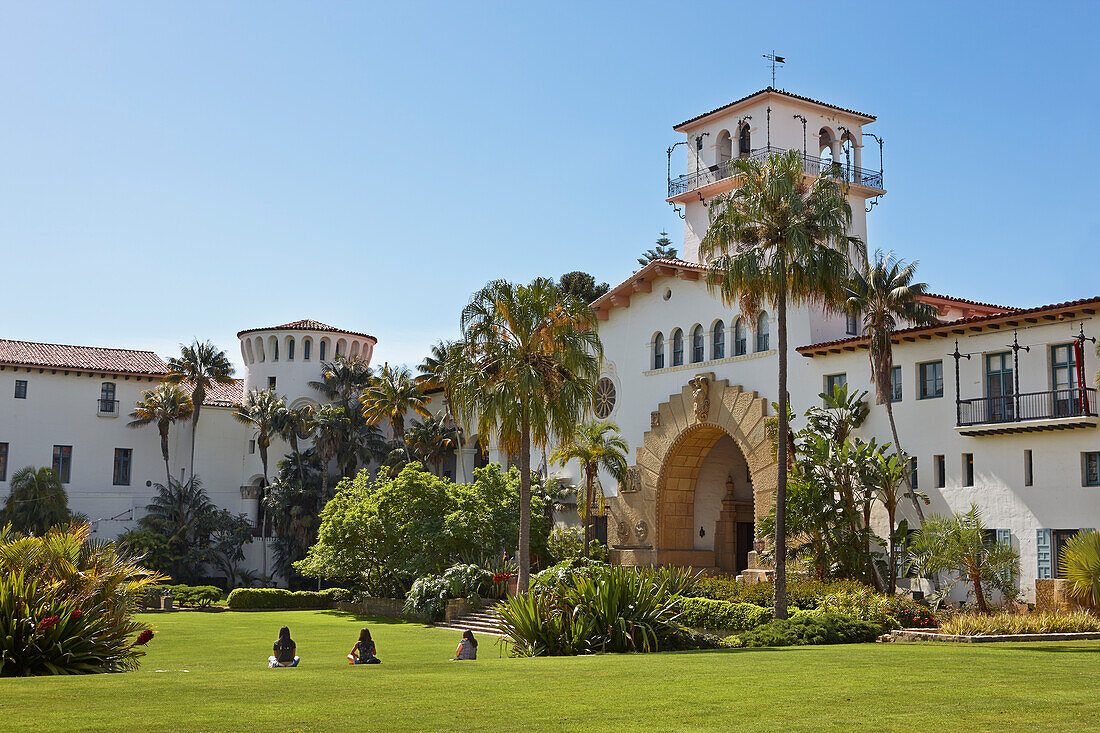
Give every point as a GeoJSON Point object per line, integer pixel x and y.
{"type": "Point", "coordinates": [700, 396]}
{"type": "Point", "coordinates": [641, 530]}
{"type": "Point", "coordinates": [655, 419]}
{"type": "Point", "coordinates": [632, 482]}
{"type": "Point", "coordinates": [622, 531]}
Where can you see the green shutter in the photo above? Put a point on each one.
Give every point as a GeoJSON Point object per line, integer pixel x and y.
{"type": "Point", "coordinates": [1042, 552]}
{"type": "Point", "coordinates": [1004, 537]}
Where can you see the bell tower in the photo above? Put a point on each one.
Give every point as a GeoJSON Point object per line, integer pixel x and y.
{"type": "Point", "coordinates": [770, 121]}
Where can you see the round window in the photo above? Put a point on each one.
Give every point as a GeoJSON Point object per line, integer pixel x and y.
{"type": "Point", "coordinates": [605, 397]}
{"type": "Point", "coordinates": [668, 293]}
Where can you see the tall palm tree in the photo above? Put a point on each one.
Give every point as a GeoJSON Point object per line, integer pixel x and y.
{"type": "Point", "coordinates": [391, 395]}
{"type": "Point", "coordinates": [36, 502]}
{"type": "Point", "coordinates": [181, 512]}
{"type": "Point", "coordinates": [291, 424]}
{"type": "Point", "coordinates": [433, 376]}
{"type": "Point", "coordinates": [781, 238]}
{"type": "Point", "coordinates": [261, 411]}
{"type": "Point", "coordinates": [201, 365]}
{"type": "Point", "coordinates": [343, 380]}
{"type": "Point", "coordinates": [432, 439]}
{"type": "Point", "coordinates": [526, 371]}
{"type": "Point", "coordinates": [596, 445]}
{"type": "Point", "coordinates": [164, 404]}
{"type": "Point", "coordinates": [884, 293]}
{"type": "Point", "coordinates": [329, 426]}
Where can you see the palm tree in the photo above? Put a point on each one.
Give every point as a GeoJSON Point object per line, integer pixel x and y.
{"type": "Point", "coordinates": [36, 502]}
{"type": "Point", "coordinates": [291, 424]}
{"type": "Point", "coordinates": [343, 380]}
{"type": "Point", "coordinates": [181, 512]}
{"type": "Point", "coordinates": [526, 371]}
{"type": "Point", "coordinates": [261, 410]}
{"type": "Point", "coordinates": [891, 473]}
{"type": "Point", "coordinates": [432, 376]}
{"type": "Point", "coordinates": [884, 293]}
{"type": "Point", "coordinates": [392, 394]}
{"type": "Point", "coordinates": [432, 439]}
{"type": "Point", "coordinates": [164, 404]}
{"type": "Point", "coordinates": [329, 426]}
{"type": "Point", "coordinates": [780, 238]}
{"type": "Point", "coordinates": [201, 365]}
{"type": "Point", "coordinates": [596, 445]}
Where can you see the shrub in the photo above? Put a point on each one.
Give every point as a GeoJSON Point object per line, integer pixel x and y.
{"type": "Point", "coordinates": [710, 614]}
{"type": "Point", "coordinates": [973, 624]}
{"type": "Point", "coordinates": [862, 603]}
{"type": "Point", "coordinates": [828, 628]}
{"type": "Point", "coordinates": [563, 572]}
{"type": "Point", "coordinates": [801, 592]}
{"type": "Point", "coordinates": [910, 614]}
{"type": "Point", "coordinates": [67, 605]}
{"type": "Point", "coordinates": [197, 595]}
{"type": "Point", "coordinates": [254, 598]}
{"type": "Point", "coordinates": [429, 594]}
{"type": "Point", "coordinates": [565, 543]}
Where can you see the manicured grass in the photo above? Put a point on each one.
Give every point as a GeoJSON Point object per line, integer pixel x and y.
{"type": "Point", "coordinates": [214, 677]}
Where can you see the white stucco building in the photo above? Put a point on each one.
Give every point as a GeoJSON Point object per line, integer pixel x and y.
{"type": "Point", "coordinates": [996, 404]}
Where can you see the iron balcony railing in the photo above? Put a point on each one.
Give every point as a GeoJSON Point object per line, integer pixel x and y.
{"type": "Point", "coordinates": [108, 407]}
{"type": "Point", "coordinates": [810, 164]}
{"type": "Point", "coordinates": [1047, 405]}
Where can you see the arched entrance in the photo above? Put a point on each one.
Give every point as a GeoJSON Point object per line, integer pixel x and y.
{"type": "Point", "coordinates": [702, 478]}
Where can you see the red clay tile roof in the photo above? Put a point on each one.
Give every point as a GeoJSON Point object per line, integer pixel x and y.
{"type": "Point", "coordinates": [964, 301]}
{"type": "Point", "coordinates": [223, 395]}
{"type": "Point", "coordinates": [89, 358]}
{"type": "Point", "coordinates": [1048, 312]}
{"type": "Point", "coordinates": [869, 118]}
{"type": "Point", "coordinates": [307, 324]}
{"type": "Point", "coordinates": [643, 277]}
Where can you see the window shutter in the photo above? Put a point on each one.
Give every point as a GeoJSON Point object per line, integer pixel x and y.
{"type": "Point", "coordinates": [1004, 537]}
{"type": "Point", "coordinates": [1042, 552]}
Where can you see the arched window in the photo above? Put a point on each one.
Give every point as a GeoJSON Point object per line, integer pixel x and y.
{"type": "Point", "coordinates": [677, 347]}
{"type": "Point", "coordinates": [307, 346]}
{"type": "Point", "coordinates": [290, 348]}
{"type": "Point", "coordinates": [744, 141]}
{"type": "Point", "coordinates": [274, 348]}
{"type": "Point", "coordinates": [762, 331]}
{"type": "Point", "coordinates": [324, 350]}
{"type": "Point", "coordinates": [260, 350]}
{"type": "Point", "coordinates": [740, 345]}
{"type": "Point", "coordinates": [659, 351]}
{"type": "Point", "coordinates": [718, 341]}
{"type": "Point", "coordinates": [723, 149]}
{"type": "Point", "coordinates": [696, 344]}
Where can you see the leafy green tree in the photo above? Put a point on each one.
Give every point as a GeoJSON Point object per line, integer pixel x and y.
{"type": "Point", "coordinates": [162, 405]}
{"type": "Point", "coordinates": [525, 372]}
{"type": "Point", "coordinates": [147, 546]}
{"type": "Point", "coordinates": [663, 251]}
{"type": "Point", "coordinates": [780, 238]}
{"type": "Point", "coordinates": [883, 293]}
{"type": "Point", "coordinates": [597, 445]}
{"type": "Point", "coordinates": [959, 545]}
{"type": "Point", "coordinates": [262, 410]}
{"type": "Point", "coordinates": [200, 365]}
{"type": "Point", "coordinates": [581, 285]}
{"type": "Point", "coordinates": [180, 512]}
{"type": "Point", "coordinates": [36, 501]}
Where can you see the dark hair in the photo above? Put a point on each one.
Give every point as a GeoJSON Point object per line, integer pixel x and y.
{"type": "Point", "coordinates": [284, 636]}
{"type": "Point", "coordinates": [364, 636]}
{"type": "Point", "coordinates": [469, 636]}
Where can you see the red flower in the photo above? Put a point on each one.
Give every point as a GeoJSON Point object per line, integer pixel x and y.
{"type": "Point", "coordinates": [144, 637]}
{"type": "Point", "coordinates": [76, 614]}
{"type": "Point", "coordinates": [47, 623]}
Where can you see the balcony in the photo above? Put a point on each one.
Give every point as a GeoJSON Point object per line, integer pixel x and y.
{"type": "Point", "coordinates": [1059, 409]}
{"type": "Point", "coordinates": [810, 164]}
{"type": "Point", "coordinates": [107, 408]}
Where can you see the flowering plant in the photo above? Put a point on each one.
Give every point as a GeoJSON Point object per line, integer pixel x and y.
{"type": "Point", "coordinates": [144, 638]}
{"type": "Point", "coordinates": [47, 623]}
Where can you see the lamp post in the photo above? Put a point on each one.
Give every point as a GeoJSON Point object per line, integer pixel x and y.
{"type": "Point", "coordinates": [800, 117]}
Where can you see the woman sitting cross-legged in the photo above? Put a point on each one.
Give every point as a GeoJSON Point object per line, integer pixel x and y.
{"type": "Point", "coordinates": [467, 648]}
{"type": "Point", "coordinates": [363, 652]}
{"type": "Point", "coordinates": [284, 651]}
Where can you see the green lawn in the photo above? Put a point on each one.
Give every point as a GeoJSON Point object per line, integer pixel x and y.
{"type": "Point", "coordinates": [207, 671]}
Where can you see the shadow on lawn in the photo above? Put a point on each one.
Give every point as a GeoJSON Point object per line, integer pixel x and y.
{"type": "Point", "coordinates": [1060, 649]}
{"type": "Point", "coordinates": [373, 619]}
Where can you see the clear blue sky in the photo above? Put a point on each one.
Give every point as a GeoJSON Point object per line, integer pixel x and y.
{"type": "Point", "coordinates": [171, 170]}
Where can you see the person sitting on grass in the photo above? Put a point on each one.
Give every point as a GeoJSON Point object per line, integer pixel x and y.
{"type": "Point", "coordinates": [363, 652]}
{"type": "Point", "coordinates": [467, 648]}
{"type": "Point", "coordinates": [284, 651]}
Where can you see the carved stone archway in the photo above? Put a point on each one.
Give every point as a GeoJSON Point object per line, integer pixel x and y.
{"type": "Point", "coordinates": [652, 514]}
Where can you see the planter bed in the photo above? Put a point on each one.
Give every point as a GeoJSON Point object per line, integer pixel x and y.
{"type": "Point", "coordinates": [935, 635]}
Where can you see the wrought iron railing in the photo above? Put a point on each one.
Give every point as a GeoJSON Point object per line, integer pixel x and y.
{"type": "Point", "coordinates": [1028, 406]}
{"type": "Point", "coordinates": [108, 407]}
{"type": "Point", "coordinates": [811, 164]}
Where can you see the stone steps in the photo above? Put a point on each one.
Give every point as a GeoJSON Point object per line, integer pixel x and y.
{"type": "Point", "coordinates": [482, 621]}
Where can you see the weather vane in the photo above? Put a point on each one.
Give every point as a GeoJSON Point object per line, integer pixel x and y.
{"type": "Point", "coordinates": [774, 60]}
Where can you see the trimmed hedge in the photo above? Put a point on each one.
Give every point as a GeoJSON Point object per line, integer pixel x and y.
{"type": "Point", "coordinates": [828, 628]}
{"type": "Point", "coordinates": [193, 595]}
{"type": "Point", "coordinates": [252, 598]}
{"type": "Point", "coordinates": [801, 592]}
{"type": "Point", "coordinates": [705, 613]}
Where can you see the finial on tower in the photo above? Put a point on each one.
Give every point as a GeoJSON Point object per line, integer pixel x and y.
{"type": "Point", "coordinates": [774, 60]}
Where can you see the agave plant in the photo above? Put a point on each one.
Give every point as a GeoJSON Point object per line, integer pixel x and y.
{"type": "Point", "coordinates": [1080, 563]}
